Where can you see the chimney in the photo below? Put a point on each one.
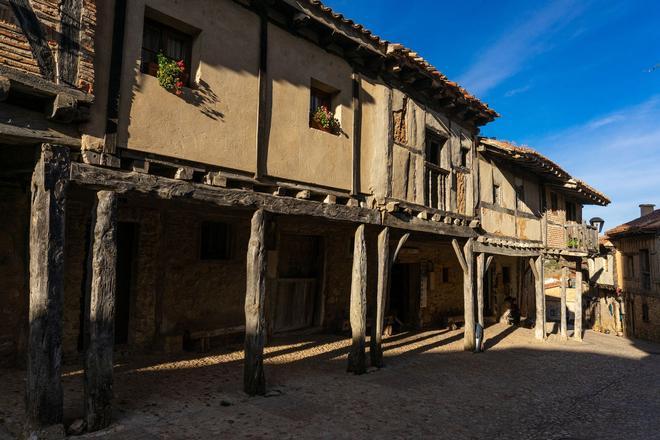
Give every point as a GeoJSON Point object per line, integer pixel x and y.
{"type": "Point", "coordinates": [646, 209]}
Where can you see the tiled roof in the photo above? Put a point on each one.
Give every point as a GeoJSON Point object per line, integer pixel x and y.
{"type": "Point", "coordinates": [649, 223]}
{"type": "Point", "coordinates": [397, 50]}
{"type": "Point", "coordinates": [536, 161]}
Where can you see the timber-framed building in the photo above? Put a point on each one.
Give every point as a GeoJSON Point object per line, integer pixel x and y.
{"type": "Point", "coordinates": [302, 173]}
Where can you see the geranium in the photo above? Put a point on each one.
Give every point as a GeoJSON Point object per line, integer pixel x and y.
{"type": "Point", "coordinates": [326, 119]}
{"type": "Point", "coordinates": [170, 73]}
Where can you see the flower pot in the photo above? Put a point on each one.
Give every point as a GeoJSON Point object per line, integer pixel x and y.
{"type": "Point", "coordinates": [152, 69]}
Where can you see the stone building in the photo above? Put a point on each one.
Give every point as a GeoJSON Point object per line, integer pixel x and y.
{"type": "Point", "coordinates": [289, 170]}
{"type": "Point", "coordinates": [637, 272]}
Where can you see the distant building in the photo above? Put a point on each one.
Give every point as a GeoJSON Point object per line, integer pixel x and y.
{"type": "Point", "coordinates": [638, 272]}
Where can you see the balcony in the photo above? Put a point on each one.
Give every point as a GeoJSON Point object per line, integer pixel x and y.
{"type": "Point", "coordinates": [581, 237]}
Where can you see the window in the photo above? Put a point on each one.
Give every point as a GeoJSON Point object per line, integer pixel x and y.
{"type": "Point", "coordinates": [645, 268]}
{"type": "Point", "coordinates": [554, 203]}
{"type": "Point", "coordinates": [506, 275]}
{"type": "Point", "coordinates": [321, 96]}
{"type": "Point", "coordinates": [445, 274]}
{"type": "Point", "coordinates": [174, 44]}
{"type": "Point", "coordinates": [436, 177]}
{"type": "Point", "coordinates": [464, 157]}
{"type": "Point", "coordinates": [497, 195]}
{"type": "Point", "coordinates": [520, 196]}
{"type": "Point", "coordinates": [434, 145]}
{"type": "Point", "coordinates": [645, 313]}
{"type": "Point", "coordinates": [214, 243]}
{"type": "Point", "coordinates": [571, 212]}
{"type": "Point", "coordinates": [630, 267]}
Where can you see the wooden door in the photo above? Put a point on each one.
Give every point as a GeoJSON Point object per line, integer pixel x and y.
{"type": "Point", "coordinates": [297, 285]}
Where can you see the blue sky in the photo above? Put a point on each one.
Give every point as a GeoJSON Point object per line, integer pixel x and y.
{"type": "Point", "coordinates": [572, 79]}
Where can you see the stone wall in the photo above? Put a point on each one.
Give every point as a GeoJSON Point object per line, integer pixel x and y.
{"type": "Point", "coordinates": [13, 272]}
{"type": "Point", "coordinates": [15, 50]}
{"type": "Point", "coordinates": [646, 329]}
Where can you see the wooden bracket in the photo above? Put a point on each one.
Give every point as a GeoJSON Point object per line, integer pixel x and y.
{"type": "Point", "coordinates": [459, 255]}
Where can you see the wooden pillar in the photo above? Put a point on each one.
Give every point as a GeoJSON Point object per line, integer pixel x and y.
{"type": "Point", "coordinates": [577, 333]}
{"type": "Point", "coordinates": [563, 332]}
{"type": "Point", "coordinates": [481, 268]}
{"type": "Point", "coordinates": [466, 260]}
{"type": "Point", "coordinates": [537, 269]}
{"type": "Point", "coordinates": [255, 301]}
{"type": "Point", "coordinates": [47, 226]}
{"type": "Point", "coordinates": [376, 349]}
{"type": "Point", "coordinates": [358, 311]}
{"type": "Point", "coordinates": [101, 319]}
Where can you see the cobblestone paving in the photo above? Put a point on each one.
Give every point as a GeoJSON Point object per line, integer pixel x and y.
{"type": "Point", "coordinates": [603, 388]}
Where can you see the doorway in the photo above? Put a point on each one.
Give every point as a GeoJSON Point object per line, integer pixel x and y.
{"type": "Point", "coordinates": [404, 305]}
{"type": "Point", "coordinates": [127, 240]}
{"type": "Point", "coordinates": [297, 301]}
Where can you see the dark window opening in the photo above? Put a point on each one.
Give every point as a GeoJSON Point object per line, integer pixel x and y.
{"type": "Point", "coordinates": [520, 196]}
{"type": "Point", "coordinates": [497, 195]}
{"type": "Point", "coordinates": [630, 267]}
{"type": "Point", "coordinates": [445, 274]}
{"type": "Point", "coordinates": [554, 203]}
{"type": "Point", "coordinates": [645, 268]}
{"type": "Point", "coordinates": [321, 96]}
{"type": "Point", "coordinates": [174, 44]}
{"type": "Point", "coordinates": [464, 157]}
{"type": "Point", "coordinates": [434, 146]}
{"type": "Point", "coordinates": [506, 275]}
{"type": "Point", "coordinates": [215, 241]}
{"type": "Point", "coordinates": [571, 212]}
{"type": "Point", "coordinates": [645, 313]}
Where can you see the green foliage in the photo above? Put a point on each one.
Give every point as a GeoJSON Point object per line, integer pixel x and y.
{"type": "Point", "coordinates": [573, 243]}
{"type": "Point", "coordinates": [169, 73]}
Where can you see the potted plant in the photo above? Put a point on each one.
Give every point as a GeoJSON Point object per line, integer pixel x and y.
{"type": "Point", "coordinates": [573, 243]}
{"type": "Point", "coordinates": [170, 73]}
{"type": "Point", "coordinates": [325, 120]}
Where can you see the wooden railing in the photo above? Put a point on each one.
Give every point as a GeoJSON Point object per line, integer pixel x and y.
{"type": "Point", "coordinates": [581, 237]}
{"type": "Point", "coordinates": [435, 187]}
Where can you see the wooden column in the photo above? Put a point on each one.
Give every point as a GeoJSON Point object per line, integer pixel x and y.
{"type": "Point", "coordinates": [43, 404]}
{"type": "Point", "coordinates": [577, 333]}
{"type": "Point", "coordinates": [537, 269]}
{"type": "Point", "coordinates": [358, 312]}
{"type": "Point", "coordinates": [255, 301]}
{"type": "Point", "coordinates": [101, 319]}
{"type": "Point", "coordinates": [563, 333]}
{"type": "Point", "coordinates": [376, 349]}
{"type": "Point", "coordinates": [466, 260]}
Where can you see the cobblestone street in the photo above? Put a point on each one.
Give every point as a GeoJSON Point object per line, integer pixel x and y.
{"type": "Point", "coordinates": [605, 387]}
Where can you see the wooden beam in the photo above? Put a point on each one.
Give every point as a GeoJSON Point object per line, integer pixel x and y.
{"type": "Point", "coordinates": [577, 326]}
{"type": "Point", "coordinates": [5, 87]}
{"type": "Point", "coordinates": [44, 398]}
{"type": "Point", "coordinates": [481, 269]}
{"type": "Point", "coordinates": [500, 250]}
{"type": "Point", "coordinates": [70, 41]}
{"type": "Point", "coordinates": [31, 27]}
{"type": "Point", "coordinates": [563, 332]}
{"type": "Point", "coordinates": [263, 105]}
{"type": "Point", "coordinates": [537, 270]}
{"type": "Point", "coordinates": [254, 381]}
{"type": "Point", "coordinates": [164, 188]}
{"type": "Point", "coordinates": [488, 261]}
{"type": "Point", "coordinates": [459, 255]}
{"type": "Point", "coordinates": [358, 308]}
{"type": "Point", "coordinates": [469, 340]}
{"type": "Point", "coordinates": [384, 263]}
{"type": "Point", "coordinates": [357, 134]}
{"type": "Point", "coordinates": [100, 321]}
{"type": "Point", "coordinates": [399, 246]}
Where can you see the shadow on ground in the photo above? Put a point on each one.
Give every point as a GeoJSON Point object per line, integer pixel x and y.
{"type": "Point", "coordinates": [605, 387]}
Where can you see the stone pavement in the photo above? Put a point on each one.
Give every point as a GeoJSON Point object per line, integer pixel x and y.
{"type": "Point", "coordinates": [603, 388]}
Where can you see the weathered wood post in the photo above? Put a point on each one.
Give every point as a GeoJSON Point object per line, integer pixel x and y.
{"type": "Point", "coordinates": [537, 269]}
{"type": "Point", "coordinates": [358, 309]}
{"type": "Point", "coordinates": [481, 268]}
{"type": "Point", "coordinates": [101, 319]}
{"type": "Point", "coordinates": [255, 301]}
{"type": "Point", "coordinates": [376, 349]}
{"type": "Point", "coordinates": [43, 405]}
{"type": "Point", "coordinates": [466, 260]}
{"type": "Point", "coordinates": [563, 332]}
{"type": "Point", "coordinates": [577, 332]}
